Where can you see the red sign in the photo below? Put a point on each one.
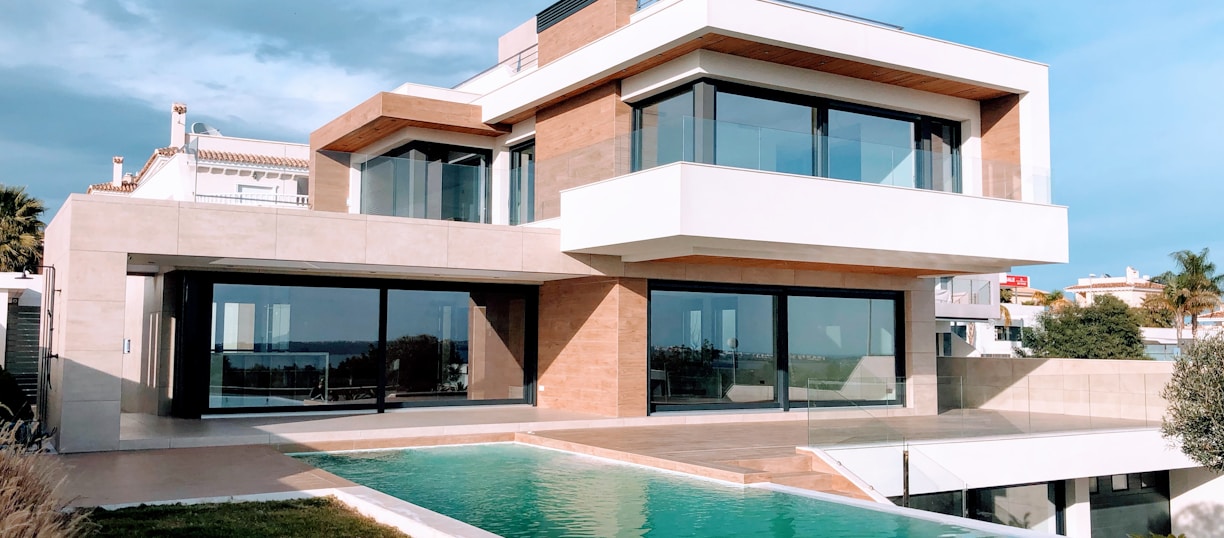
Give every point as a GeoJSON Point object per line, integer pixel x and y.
{"type": "Point", "coordinates": [1015, 281]}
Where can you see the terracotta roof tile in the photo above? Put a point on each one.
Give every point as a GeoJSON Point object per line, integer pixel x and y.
{"type": "Point", "coordinates": [203, 154]}
{"type": "Point", "coordinates": [248, 158]}
{"type": "Point", "coordinates": [109, 187]}
{"type": "Point", "coordinates": [129, 186]}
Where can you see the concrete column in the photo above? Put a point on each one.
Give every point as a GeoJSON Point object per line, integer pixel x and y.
{"type": "Point", "coordinates": [919, 327]}
{"type": "Point", "coordinates": [89, 327]}
{"type": "Point", "coordinates": [1078, 513]}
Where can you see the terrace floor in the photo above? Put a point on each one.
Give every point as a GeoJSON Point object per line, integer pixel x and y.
{"type": "Point", "coordinates": [739, 447]}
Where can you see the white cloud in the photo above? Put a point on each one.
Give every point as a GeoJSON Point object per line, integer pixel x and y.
{"type": "Point", "coordinates": [220, 75]}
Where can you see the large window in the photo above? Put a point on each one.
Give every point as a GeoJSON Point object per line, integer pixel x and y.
{"type": "Point", "coordinates": [764, 134]}
{"type": "Point", "coordinates": [664, 132]}
{"type": "Point", "coordinates": [734, 125]}
{"type": "Point", "coordinates": [842, 349]}
{"type": "Point", "coordinates": [455, 345]}
{"type": "Point", "coordinates": [713, 346]}
{"type": "Point", "coordinates": [260, 342]}
{"type": "Point", "coordinates": [276, 346]}
{"type": "Point", "coordinates": [428, 181]}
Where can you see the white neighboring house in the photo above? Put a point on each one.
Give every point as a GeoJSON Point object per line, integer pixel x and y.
{"type": "Point", "coordinates": [1131, 289]}
{"type": "Point", "coordinates": [973, 322]}
{"type": "Point", "coordinates": [202, 165]}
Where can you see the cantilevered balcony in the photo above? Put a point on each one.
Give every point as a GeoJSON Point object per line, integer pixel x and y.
{"type": "Point", "coordinates": [763, 196]}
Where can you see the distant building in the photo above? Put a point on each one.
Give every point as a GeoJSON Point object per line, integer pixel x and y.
{"type": "Point", "coordinates": [1131, 289]}
{"type": "Point", "coordinates": [973, 320]}
{"type": "Point", "coordinates": [202, 165]}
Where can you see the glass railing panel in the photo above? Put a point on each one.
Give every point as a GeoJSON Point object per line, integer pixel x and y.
{"type": "Point", "coordinates": [754, 147]}
{"type": "Point", "coordinates": [416, 188]}
{"type": "Point", "coordinates": [840, 414]}
{"type": "Point", "coordinates": [963, 291]}
{"type": "Point", "coordinates": [981, 292]}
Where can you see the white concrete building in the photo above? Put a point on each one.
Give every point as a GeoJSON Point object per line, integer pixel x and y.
{"type": "Point", "coordinates": [202, 165]}
{"type": "Point", "coordinates": [1130, 288]}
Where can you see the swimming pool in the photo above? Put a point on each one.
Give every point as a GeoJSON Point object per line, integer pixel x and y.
{"type": "Point", "coordinates": [517, 490]}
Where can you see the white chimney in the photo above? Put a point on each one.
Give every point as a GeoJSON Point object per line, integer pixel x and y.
{"type": "Point", "coordinates": [178, 125]}
{"type": "Point", "coordinates": [117, 175]}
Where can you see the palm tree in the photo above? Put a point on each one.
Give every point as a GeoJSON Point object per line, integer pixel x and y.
{"type": "Point", "coordinates": [1056, 299]}
{"type": "Point", "coordinates": [1191, 288]}
{"type": "Point", "coordinates": [21, 231]}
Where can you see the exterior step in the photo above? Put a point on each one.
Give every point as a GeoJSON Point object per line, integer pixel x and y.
{"type": "Point", "coordinates": [784, 464]}
{"type": "Point", "coordinates": [822, 482]}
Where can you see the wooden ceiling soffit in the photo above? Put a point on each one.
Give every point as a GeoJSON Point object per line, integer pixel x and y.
{"type": "Point", "coordinates": [386, 113]}
{"type": "Point", "coordinates": [806, 266]}
{"type": "Point", "coordinates": [794, 58]}
{"type": "Point", "coordinates": [848, 68]}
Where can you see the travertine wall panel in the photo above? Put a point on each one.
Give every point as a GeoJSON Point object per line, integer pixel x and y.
{"type": "Point", "coordinates": [1001, 147]}
{"type": "Point", "coordinates": [579, 141]}
{"type": "Point", "coordinates": [588, 24]}
{"type": "Point", "coordinates": [592, 346]}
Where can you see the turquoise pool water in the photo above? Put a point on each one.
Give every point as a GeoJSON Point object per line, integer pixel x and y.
{"type": "Point", "coordinates": [517, 490]}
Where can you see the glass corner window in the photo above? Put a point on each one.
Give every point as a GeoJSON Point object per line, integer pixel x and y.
{"type": "Point", "coordinates": [426, 180]}
{"type": "Point", "coordinates": [733, 125]}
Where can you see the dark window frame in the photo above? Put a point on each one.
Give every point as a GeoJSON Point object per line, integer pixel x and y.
{"type": "Point", "coordinates": [194, 306]}
{"type": "Point", "coordinates": [705, 92]}
{"type": "Point", "coordinates": [781, 345]}
{"type": "Point", "coordinates": [515, 151]}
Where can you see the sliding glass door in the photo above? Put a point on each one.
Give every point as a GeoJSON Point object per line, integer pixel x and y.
{"type": "Point", "coordinates": [283, 343]}
{"type": "Point", "coordinates": [277, 346]}
{"type": "Point", "coordinates": [712, 348]}
{"type": "Point", "coordinates": [716, 346]}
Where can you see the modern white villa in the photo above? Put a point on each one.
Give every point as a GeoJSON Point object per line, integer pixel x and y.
{"type": "Point", "coordinates": [202, 165]}
{"type": "Point", "coordinates": [645, 211]}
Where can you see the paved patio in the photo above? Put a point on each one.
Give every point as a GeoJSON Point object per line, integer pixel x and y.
{"type": "Point", "coordinates": [403, 427]}
{"type": "Point", "coordinates": [107, 478]}
{"type": "Point", "coordinates": [743, 447]}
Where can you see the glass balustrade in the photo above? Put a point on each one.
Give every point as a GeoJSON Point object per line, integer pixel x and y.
{"type": "Point", "coordinates": [425, 189]}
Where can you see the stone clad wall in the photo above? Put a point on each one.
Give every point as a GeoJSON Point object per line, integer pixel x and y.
{"type": "Point", "coordinates": [1127, 389]}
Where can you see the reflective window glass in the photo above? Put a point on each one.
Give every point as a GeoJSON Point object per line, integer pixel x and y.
{"type": "Point", "coordinates": [711, 348]}
{"type": "Point", "coordinates": [522, 184]}
{"type": "Point", "coordinates": [275, 346]}
{"type": "Point", "coordinates": [455, 345]}
{"type": "Point", "coordinates": [843, 349]}
{"type": "Point", "coordinates": [764, 135]}
{"type": "Point", "coordinates": [664, 132]}
{"type": "Point", "coordinates": [871, 149]}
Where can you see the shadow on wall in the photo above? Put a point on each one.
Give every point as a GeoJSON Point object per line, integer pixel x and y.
{"type": "Point", "coordinates": [1117, 389]}
{"type": "Point", "coordinates": [1199, 519]}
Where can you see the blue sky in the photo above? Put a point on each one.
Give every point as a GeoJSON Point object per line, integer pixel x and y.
{"type": "Point", "coordinates": [1136, 113]}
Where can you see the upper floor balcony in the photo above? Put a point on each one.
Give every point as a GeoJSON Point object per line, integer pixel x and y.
{"type": "Point", "coordinates": [973, 297]}
{"type": "Point", "coordinates": [883, 198]}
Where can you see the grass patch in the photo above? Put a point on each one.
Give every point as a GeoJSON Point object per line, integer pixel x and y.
{"type": "Point", "coordinates": [306, 518]}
